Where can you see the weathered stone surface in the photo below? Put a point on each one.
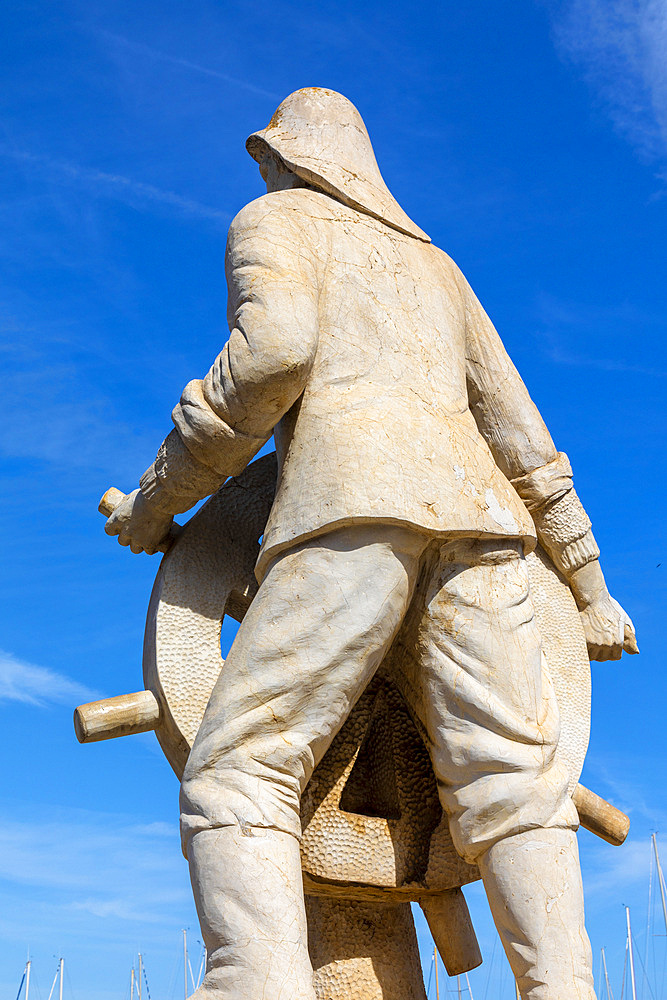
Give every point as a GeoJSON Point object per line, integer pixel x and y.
{"type": "Point", "coordinates": [362, 950]}
{"type": "Point", "coordinates": [414, 475]}
{"type": "Point", "coordinates": [385, 838]}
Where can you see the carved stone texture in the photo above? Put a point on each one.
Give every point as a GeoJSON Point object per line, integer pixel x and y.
{"type": "Point", "coordinates": [411, 456]}
{"type": "Point", "coordinates": [374, 831]}
{"type": "Point", "coordinates": [363, 950]}
{"type": "Point", "coordinates": [372, 805]}
{"type": "Point", "coordinates": [564, 647]}
{"type": "Point", "coordinates": [208, 573]}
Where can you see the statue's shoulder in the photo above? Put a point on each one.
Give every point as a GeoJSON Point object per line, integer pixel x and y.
{"type": "Point", "coordinates": [445, 261]}
{"type": "Point", "coordinates": [449, 269]}
{"type": "Point", "coordinates": [293, 209]}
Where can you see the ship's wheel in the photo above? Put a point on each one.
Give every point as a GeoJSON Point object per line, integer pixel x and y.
{"type": "Point", "coordinates": [374, 834]}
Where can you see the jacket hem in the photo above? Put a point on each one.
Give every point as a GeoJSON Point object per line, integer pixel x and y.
{"type": "Point", "coordinates": [272, 549]}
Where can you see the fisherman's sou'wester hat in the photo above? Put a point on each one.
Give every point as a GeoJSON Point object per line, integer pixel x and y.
{"type": "Point", "coordinates": [320, 136]}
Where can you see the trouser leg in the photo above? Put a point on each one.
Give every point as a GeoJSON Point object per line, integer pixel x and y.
{"type": "Point", "coordinates": [247, 888]}
{"type": "Point", "coordinates": [475, 676]}
{"type": "Point", "coordinates": [533, 883]}
{"type": "Point", "coordinates": [319, 626]}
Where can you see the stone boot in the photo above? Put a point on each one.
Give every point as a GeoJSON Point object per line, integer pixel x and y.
{"type": "Point", "coordinates": [248, 890]}
{"type": "Point", "coordinates": [533, 883]}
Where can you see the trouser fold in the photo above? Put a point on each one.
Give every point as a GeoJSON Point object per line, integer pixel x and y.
{"type": "Point", "coordinates": [474, 677]}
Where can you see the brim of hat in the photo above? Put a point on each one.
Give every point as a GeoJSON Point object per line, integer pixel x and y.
{"type": "Point", "coordinates": [390, 212]}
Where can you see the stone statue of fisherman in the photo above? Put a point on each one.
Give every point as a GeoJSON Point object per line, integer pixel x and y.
{"type": "Point", "coordinates": [411, 456]}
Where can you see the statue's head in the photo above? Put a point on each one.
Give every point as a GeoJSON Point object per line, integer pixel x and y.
{"type": "Point", "coordinates": [317, 138]}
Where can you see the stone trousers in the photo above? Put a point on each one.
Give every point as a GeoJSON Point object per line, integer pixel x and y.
{"type": "Point", "coordinates": [324, 618]}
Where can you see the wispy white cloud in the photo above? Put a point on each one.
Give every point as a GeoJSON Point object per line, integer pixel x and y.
{"type": "Point", "coordinates": [33, 685]}
{"type": "Point", "coordinates": [146, 51]}
{"type": "Point", "coordinates": [157, 829]}
{"type": "Point", "coordinates": [615, 871]}
{"type": "Point", "coordinates": [576, 359]}
{"type": "Point", "coordinates": [69, 853]}
{"type": "Point", "coordinates": [578, 335]}
{"type": "Point", "coordinates": [77, 426]}
{"type": "Point", "coordinates": [114, 185]}
{"type": "Point", "coordinates": [619, 778]}
{"type": "Point", "coordinates": [84, 864]}
{"type": "Point", "coordinates": [621, 46]}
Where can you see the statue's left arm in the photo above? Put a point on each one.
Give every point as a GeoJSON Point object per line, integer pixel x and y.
{"type": "Point", "coordinates": [522, 447]}
{"type": "Point", "coordinates": [223, 420]}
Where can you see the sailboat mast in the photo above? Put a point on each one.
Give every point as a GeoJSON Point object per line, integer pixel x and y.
{"type": "Point", "coordinates": [21, 984]}
{"type": "Point", "coordinates": [610, 995]}
{"type": "Point", "coordinates": [140, 971]}
{"type": "Point", "coordinates": [202, 966]}
{"type": "Point", "coordinates": [27, 979]}
{"type": "Point", "coordinates": [458, 984]}
{"type": "Point", "coordinates": [55, 980]}
{"type": "Point", "coordinates": [185, 964]}
{"type": "Point", "coordinates": [62, 967]}
{"type": "Point", "coordinates": [661, 879]}
{"type": "Point", "coordinates": [468, 985]}
{"type": "Point", "coordinates": [437, 985]}
{"type": "Point", "coordinates": [631, 954]}
{"type": "Point", "coordinates": [132, 984]}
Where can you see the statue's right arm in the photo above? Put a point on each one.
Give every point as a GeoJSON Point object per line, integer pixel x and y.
{"type": "Point", "coordinates": [223, 420]}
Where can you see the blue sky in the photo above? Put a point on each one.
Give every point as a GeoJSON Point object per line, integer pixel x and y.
{"type": "Point", "coordinates": [530, 140]}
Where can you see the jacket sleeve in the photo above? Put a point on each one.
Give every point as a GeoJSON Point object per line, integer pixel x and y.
{"type": "Point", "coordinates": [504, 412]}
{"type": "Point", "coordinates": [224, 419]}
{"type": "Point", "coordinates": [521, 445]}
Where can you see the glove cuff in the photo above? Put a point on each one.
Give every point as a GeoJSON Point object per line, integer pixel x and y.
{"type": "Point", "coordinates": [563, 526]}
{"type": "Point", "coordinates": [564, 529]}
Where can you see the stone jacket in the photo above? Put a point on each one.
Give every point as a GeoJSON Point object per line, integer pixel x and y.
{"type": "Point", "coordinates": [391, 394]}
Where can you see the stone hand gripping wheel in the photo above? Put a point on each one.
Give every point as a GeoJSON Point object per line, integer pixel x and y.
{"type": "Point", "coordinates": [374, 835]}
